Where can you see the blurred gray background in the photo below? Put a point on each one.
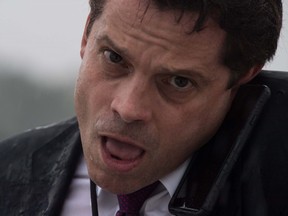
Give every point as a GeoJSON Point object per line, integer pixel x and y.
{"type": "Point", "coordinates": [39, 60]}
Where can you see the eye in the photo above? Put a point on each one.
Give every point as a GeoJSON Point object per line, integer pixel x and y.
{"type": "Point", "coordinates": [113, 56]}
{"type": "Point", "coordinates": [180, 82]}
{"type": "Point", "coordinates": [176, 88]}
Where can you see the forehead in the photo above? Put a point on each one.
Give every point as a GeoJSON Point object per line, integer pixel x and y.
{"type": "Point", "coordinates": [137, 22]}
{"type": "Point", "coordinates": [142, 12]}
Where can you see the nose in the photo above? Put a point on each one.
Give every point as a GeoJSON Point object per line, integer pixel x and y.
{"type": "Point", "coordinates": [131, 103]}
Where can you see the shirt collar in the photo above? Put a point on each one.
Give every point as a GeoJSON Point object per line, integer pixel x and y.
{"type": "Point", "coordinates": [172, 180]}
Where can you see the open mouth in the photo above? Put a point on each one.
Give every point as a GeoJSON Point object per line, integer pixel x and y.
{"type": "Point", "coordinates": [121, 155]}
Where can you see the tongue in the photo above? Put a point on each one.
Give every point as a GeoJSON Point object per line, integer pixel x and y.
{"type": "Point", "coordinates": [122, 151]}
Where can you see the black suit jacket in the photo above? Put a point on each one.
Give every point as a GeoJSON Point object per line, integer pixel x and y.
{"type": "Point", "coordinates": [36, 167]}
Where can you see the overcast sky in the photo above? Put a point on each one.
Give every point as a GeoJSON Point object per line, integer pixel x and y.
{"type": "Point", "coordinates": [43, 37]}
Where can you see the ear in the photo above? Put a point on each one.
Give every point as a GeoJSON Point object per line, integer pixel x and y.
{"type": "Point", "coordinates": [249, 75]}
{"type": "Point", "coordinates": [84, 38]}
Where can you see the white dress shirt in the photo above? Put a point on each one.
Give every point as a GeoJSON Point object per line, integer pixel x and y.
{"type": "Point", "coordinates": [78, 199]}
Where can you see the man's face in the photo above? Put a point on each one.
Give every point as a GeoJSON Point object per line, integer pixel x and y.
{"type": "Point", "coordinates": [148, 93]}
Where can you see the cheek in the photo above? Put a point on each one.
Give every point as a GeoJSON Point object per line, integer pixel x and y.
{"type": "Point", "coordinates": [90, 92]}
{"type": "Point", "coordinates": [80, 99]}
{"type": "Point", "coordinates": [194, 126]}
{"type": "Point", "coordinates": [205, 123]}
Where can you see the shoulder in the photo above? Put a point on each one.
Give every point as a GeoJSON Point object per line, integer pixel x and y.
{"type": "Point", "coordinates": [41, 159]}
{"type": "Point", "coordinates": [273, 79]}
{"type": "Point", "coordinates": [33, 139]}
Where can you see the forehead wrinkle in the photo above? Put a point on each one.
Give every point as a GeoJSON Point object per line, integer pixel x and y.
{"type": "Point", "coordinates": [134, 28]}
{"type": "Point", "coordinates": [173, 67]}
{"type": "Point", "coordinates": [183, 26]}
{"type": "Point", "coordinates": [142, 23]}
{"type": "Point", "coordinates": [142, 33]}
{"type": "Point", "coordinates": [127, 29]}
{"type": "Point", "coordinates": [157, 35]}
{"type": "Point", "coordinates": [141, 26]}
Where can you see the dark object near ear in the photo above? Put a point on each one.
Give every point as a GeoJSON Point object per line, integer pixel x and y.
{"type": "Point", "coordinates": [213, 181]}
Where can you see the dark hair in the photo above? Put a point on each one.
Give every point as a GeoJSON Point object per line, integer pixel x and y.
{"type": "Point", "coordinates": [252, 27]}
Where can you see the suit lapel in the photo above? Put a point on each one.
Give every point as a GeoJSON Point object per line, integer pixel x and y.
{"type": "Point", "coordinates": [36, 169]}
{"type": "Point", "coordinates": [53, 166]}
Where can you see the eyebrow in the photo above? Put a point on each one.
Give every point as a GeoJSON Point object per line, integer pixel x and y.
{"type": "Point", "coordinates": [125, 53]}
{"type": "Point", "coordinates": [185, 72]}
{"type": "Point", "coordinates": [120, 50]}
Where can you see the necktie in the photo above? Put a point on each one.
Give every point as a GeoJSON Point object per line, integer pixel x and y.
{"type": "Point", "coordinates": [130, 204]}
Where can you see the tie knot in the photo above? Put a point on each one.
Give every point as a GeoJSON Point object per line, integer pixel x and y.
{"type": "Point", "coordinates": [130, 204]}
